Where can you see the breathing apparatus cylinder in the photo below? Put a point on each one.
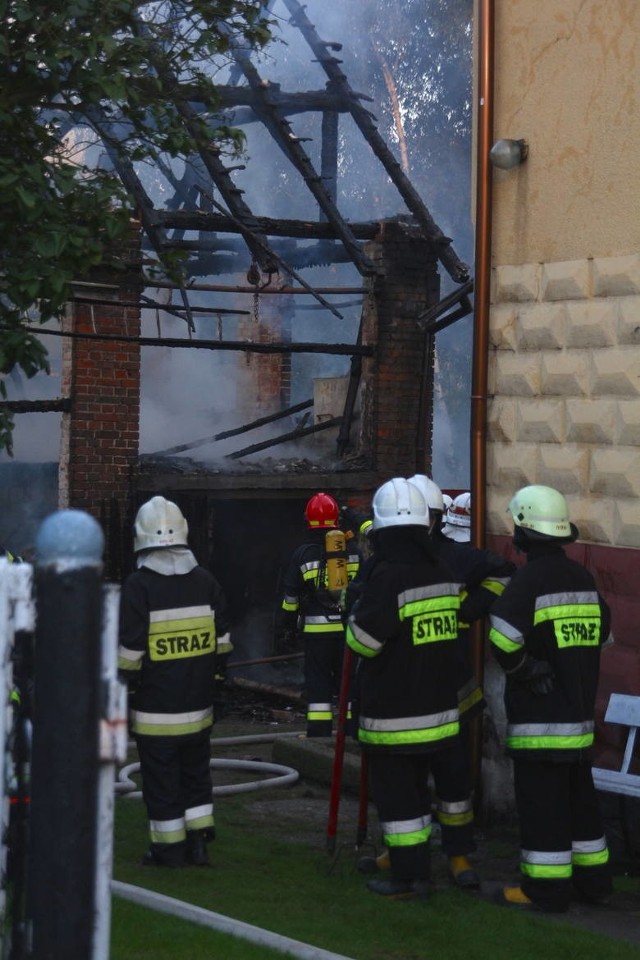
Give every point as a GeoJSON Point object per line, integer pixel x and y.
{"type": "Point", "coordinates": [335, 548]}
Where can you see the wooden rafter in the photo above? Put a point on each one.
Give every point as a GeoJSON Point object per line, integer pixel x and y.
{"type": "Point", "coordinates": [458, 270]}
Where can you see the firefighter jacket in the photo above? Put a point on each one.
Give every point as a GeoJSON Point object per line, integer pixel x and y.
{"type": "Point", "coordinates": [404, 627]}
{"type": "Point", "coordinates": [305, 589]}
{"type": "Point", "coordinates": [551, 612]}
{"type": "Point", "coordinates": [170, 628]}
{"type": "Point", "coordinates": [484, 576]}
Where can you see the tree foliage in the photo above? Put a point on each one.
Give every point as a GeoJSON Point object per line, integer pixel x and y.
{"type": "Point", "coordinates": [62, 65]}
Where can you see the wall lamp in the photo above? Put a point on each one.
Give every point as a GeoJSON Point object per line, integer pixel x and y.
{"type": "Point", "coordinates": [507, 154]}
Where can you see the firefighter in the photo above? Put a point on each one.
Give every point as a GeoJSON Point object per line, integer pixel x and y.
{"type": "Point", "coordinates": [483, 576]}
{"type": "Point", "coordinates": [547, 631]}
{"type": "Point", "coordinates": [173, 620]}
{"type": "Point", "coordinates": [403, 628]}
{"type": "Point", "coordinates": [457, 525]}
{"type": "Point", "coordinates": [312, 598]}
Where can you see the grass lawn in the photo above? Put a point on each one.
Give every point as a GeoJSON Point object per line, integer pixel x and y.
{"type": "Point", "coordinates": [270, 868]}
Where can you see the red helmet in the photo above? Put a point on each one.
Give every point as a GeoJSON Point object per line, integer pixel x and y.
{"type": "Point", "coordinates": [321, 512]}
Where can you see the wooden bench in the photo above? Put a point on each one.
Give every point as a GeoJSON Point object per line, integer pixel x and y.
{"type": "Point", "coordinates": [624, 710]}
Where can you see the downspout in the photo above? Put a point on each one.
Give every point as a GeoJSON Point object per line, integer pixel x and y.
{"type": "Point", "coordinates": [482, 299]}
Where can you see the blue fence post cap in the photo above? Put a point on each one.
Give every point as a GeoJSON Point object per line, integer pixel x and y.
{"type": "Point", "coordinates": [72, 537]}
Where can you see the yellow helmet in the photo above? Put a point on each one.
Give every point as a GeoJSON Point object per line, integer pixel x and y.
{"type": "Point", "coordinates": [543, 512]}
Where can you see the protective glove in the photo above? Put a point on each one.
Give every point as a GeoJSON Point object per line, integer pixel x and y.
{"type": "Point", "coordinates": [219, 684]}
{"type": "Point", "coordinates": [537, 675]}
{"type": "Point", "coordinates": [221, 667]}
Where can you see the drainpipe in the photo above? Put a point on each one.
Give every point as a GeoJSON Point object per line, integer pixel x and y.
{"type": "Point", "coordinates": [482, 298]}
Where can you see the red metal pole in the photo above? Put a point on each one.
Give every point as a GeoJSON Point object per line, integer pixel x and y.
{"type": "Point", "coordinates": [338, 757]}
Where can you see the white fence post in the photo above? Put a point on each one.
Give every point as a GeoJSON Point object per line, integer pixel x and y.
{"type": "Point", "coordinates": [17, 622]}
{"type": "Point", "coordinates": [113, 744]}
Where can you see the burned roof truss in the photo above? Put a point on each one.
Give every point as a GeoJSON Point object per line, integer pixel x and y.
{"type": "Point", "coordinates": [208, 219]}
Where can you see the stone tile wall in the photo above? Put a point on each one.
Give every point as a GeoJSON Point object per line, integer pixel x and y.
{"type": "Point", "coordinates": [564, 410]}
{"type": "Point", "coordinates": [564, 382]}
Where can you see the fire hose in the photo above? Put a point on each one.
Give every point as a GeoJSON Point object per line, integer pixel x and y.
{"type": "Point", "coordinates": [208, 918]}
{"type": "Point", "coordinates": [283, 775]}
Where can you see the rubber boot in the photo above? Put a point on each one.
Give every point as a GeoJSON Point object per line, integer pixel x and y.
{"type": "Point", "coordinates": [393, 889]}
{"type": "Point", "coordinates": [462, 873]}
{"type": "Point", "coordinates": [197, 855]}
{"type": "Point", "coordinates": [514, 897]}
{"type": "Point", "coordinates": [375, 864]}
{"type": "Point", "coordinates": [165, 855]}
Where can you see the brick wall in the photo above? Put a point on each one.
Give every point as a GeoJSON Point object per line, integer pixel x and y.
{"type": "Point", "coordinates": [265, 378]}
{"type": "Point", "coordinates": [99, 447]}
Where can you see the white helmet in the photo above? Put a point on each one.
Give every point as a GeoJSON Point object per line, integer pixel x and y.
{"type": "Point", "coordinates": [458, 521]}
{"type": "Point", "coordinates": [447, 500]}
{"type": "Point", "coordinates": [543, 511]}
{"type": "Point", "coordinates": [159, 523]}
{"type": "Point", "coordinates": [430, 491]}
{"type": "Point", "coordinates": [398, 503]}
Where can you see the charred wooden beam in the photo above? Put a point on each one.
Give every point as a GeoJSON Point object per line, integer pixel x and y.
{"type": "Point", "coordinates": [229, 97]}
{"type": "Point", "coordinates": [299, 229]}
{"type": "Point", "coordinates": [329, 155]}
{"type": "Point", "coordinates": [288, 103]}
{"type": "Point", "coordinates": [458, 270]}
{"type": "Point", "coordinates": [252, 484]}
{"type": "Point", "coordinates": [291, 146]}
{"type": "Point", "coordinates": [284, 289]}
{"type": "Point", "coordinates": [350, 400]}
{"type": "Point", "coordinates": [111, 135]}
{"type": "Point", "coordinates": [220, 255]}
{"type": "Point", "coordinates": [210, 157]}
{"type": "Point", "coordinates": [225, 434]}
{"type": "Point", "coordinates": [146, 303]}
{"type": "Point", "coordinates": [61, 405]}
{"type": "Point", "coordinates": [429, 320]}
{"type": "Point", "coordinates": [294, 435]}
{"type": "Point", "coordinates": [241, 346]}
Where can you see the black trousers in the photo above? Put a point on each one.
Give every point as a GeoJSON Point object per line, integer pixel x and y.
{"type": "Point", "coordinates": [450, 769]}
{"type": "Point", "coordinates": [563, 847]}
{"type": "Point", "coordinates": [400, 791]}
{"type": "Point", "coordinates": [323, 659]}
{"type": "Point", "coordinates": [176, 786]}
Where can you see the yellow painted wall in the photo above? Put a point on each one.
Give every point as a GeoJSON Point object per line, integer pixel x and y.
{"type": "Point", "coordinates": [564, 360]}
{"type": "Point", "coordinates": [568, 81]}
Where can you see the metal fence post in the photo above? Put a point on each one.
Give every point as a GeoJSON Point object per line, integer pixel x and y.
{"type": "Point", "coordinates": [66, 710]}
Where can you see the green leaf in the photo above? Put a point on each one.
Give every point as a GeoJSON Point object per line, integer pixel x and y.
{"type": "Point", "coordinates": [27, 198]}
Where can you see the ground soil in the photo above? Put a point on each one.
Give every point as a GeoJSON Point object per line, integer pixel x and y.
{"type": "Point", "coordinates": [251, 712]}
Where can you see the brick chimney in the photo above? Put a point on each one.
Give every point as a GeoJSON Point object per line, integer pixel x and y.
{"type": "Point", "coordinates": [397, 419]}
{"type": "Point", "coordinates": [99, 441]}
